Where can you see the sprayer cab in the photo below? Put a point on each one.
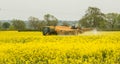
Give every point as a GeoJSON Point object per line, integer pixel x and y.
{"type": "Point", "coordinates": [48, 31]}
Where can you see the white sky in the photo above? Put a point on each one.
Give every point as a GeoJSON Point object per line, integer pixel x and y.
{"type": "Point", "coordinates": [62, 9]}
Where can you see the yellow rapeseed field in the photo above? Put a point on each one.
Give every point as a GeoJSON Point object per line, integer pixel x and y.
{"type": "Point", "coordinates": [34, 48]}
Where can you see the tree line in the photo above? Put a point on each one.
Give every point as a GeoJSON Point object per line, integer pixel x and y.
{"type": "Point", "coordinates": [32, 24]}
{"type": "Point", "coordinates": [93, 18]}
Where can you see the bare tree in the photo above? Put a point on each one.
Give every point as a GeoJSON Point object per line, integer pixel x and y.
{"type": "Point", "coordinates": [51, 20]}
{"type": "Point", "coordinates": [18, 24]}
{"type": "Point", "coordinates": [33, 22]}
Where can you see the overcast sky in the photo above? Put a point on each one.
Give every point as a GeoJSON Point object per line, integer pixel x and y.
{"type": "Point", "coordinates": [62, 9]}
